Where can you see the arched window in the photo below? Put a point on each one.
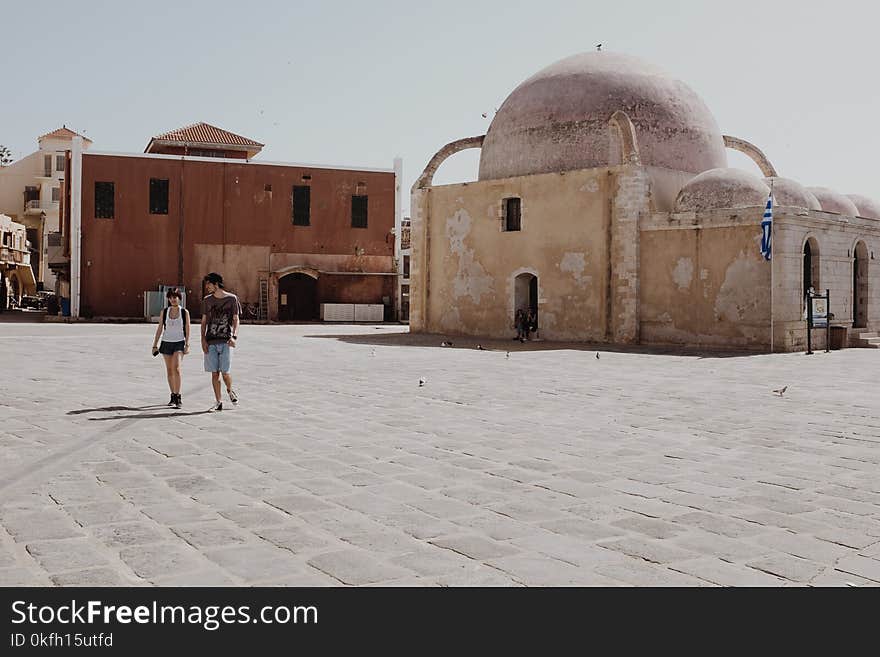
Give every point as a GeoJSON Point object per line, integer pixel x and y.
{"type": "Point", "coordinates": [860, 285]}
{"type": "Point", "coordinates": [811, 266]}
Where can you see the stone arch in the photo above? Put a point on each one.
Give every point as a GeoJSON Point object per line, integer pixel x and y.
{"type": "Point", "coordinates": [525, 292]}
{"type": "Point", "coordinates": [274, 289]}
{"type": "Point", "coordinates": [860, 289]}
{"type": "Point", "coordinates": [297, 296]}
{"type": "Point", "coordinates": [15, 287]}
{"type": "Point", "coordinates": [297, 269]}
{"type": "Point", "coordinates": [442, 155]}
{"type": "Point", "coordinates": [625, 132]}
{"type": "Point", "coordinates": [756, 154]}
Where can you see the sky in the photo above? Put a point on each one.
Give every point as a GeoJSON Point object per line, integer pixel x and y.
{"type": "Point", "coordinates": [359, 83]}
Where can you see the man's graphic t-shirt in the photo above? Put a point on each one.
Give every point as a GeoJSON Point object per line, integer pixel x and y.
{"type": "Point", "coordinates": [219, 313]}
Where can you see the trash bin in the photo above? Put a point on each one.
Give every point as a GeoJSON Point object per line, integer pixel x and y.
{"type": "Point", "coordinates": [838, 337]}
{"type": "Point", "coordinates": [65, 306]}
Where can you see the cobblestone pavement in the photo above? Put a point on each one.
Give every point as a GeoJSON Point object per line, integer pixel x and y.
{"type": "Point", "coordinates": [547, 467]}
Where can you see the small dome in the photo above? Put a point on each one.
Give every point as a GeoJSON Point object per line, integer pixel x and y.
{"type": "Point", "coordinates": [790, 192]}
{"type": "Point", "coordinates": [558, 119]}
{"type": "Point", "coordinates": [867, 207]}
{"type": "Point", "coordinates": [832, 201]}
{"type": "Point", "coordinates": [722, 188]}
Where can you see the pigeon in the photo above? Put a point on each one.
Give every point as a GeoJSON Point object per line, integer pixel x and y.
{"type": "Point", "coordinates": [480, 347]}
{"type": "Point", "coordinates": [484, 115]}
{"type": "Point", "coordinates": [508, 354]}
{"type": "Point", "coordinates": [781, 391]}
{"type": "Point", "coordinates": [372, 352]}
{"type": "Point", "coordinates": [599, 47]}
{"type": "Point", "coordinates": [422, 381]}
{"type": "Point", "coordinates": [446, 343]}
{"type": "Point", "coordinates": [597, 355]}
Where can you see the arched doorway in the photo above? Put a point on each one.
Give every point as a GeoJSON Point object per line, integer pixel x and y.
{"type": "Point", "coordinates": [860, 286]}
{"type": "Point", "coordinates": [526, 293]}
{"type": "Point", "coordinates": [811, 266]}
{"type": "Point", "coordinates": [15, 289]}
{"type": "Point", "coordinates": [297, 297]}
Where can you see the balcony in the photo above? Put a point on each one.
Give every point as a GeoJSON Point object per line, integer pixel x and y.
{"type": "Point", "coordinates": [12, 256]}
{"type": "Point", "coordinates": [36, 206]}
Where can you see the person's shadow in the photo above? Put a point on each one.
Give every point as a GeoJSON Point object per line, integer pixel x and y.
{"type": "Point", "coordinates": [116, 408]}
{"type": "Point", "coordinates": [146, 416]}
{"type": "Point", "coordinates": [105, 409]}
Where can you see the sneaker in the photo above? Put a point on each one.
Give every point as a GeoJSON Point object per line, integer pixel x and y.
{"type": "Point", "coordinates": [172, 401]}
{"type": "Point", "coordinates": [232, 396]}
{"type": "Point", "coordinates": [216, 407]}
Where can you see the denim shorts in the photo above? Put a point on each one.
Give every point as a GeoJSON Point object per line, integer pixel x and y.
{"type": "Point", "coordinates": [218, 358]}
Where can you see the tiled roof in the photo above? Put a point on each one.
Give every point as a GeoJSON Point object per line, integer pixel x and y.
{"type": "Point", "coordinates": [62, 133]}
{"type": "Point", "coordinates": [204, 133]}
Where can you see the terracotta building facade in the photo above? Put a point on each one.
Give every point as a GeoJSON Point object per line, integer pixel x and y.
{"type": "Point", "coordinates": [286, 238]}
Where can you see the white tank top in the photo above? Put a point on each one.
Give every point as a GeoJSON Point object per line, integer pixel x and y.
{"type": "Point", "coordinates": [173, 327]}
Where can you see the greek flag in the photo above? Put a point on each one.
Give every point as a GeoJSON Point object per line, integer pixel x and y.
{"type": "Point", "coordinates": [767, 228]}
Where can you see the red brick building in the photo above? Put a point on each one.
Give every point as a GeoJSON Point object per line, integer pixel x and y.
{"type": "Point", "coordinates": [285, 237]}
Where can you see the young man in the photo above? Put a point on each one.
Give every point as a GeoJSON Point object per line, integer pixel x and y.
{"type": "Point", "coordinates": [220, 311]}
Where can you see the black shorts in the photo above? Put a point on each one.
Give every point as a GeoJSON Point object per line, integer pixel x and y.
{"type": "Point", "coordinates": [169, 348]}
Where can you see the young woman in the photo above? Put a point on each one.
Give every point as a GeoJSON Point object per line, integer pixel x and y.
{"type": "Point", "coordinates": [174, 330]}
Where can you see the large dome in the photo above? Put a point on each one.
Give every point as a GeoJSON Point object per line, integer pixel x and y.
{"type": "Point", "coordinates": [558, 119]}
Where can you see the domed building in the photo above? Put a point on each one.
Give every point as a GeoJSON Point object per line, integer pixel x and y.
{"type": "Point", "coordinates": [605, 205]}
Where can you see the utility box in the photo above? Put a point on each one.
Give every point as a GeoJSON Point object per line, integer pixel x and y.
{"type": "Point", "coordinates": [154, 301]}
{"type": "Point", "coordinates": [337, 312]}
{"type": "Point", "coordinates": [838, 337]}
{"type": "Point", "coordinates": [369, 312]}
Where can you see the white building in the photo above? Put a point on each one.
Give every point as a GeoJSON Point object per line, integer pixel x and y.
{"type": "Point", "coordinates": [30, 194]}
{"type": "Point", "coordinates": [16, 276]}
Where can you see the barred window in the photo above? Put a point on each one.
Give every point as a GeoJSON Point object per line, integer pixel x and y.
{"type": "Point", "coordinates": [359, 211]}
{"type": "Point", "coordinates": [105, 200]}
{"type": "Point", "coordinates": [302, 205]}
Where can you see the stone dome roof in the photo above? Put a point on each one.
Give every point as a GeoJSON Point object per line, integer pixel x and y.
{"type": "Point", "coordinates": [558, 119]}
{"type": "Point", "coordinates": [867, 207]}
{"type": "Point", "coordinates": [722, 188]}
{"type": "Point", "coordinates": [832, 201]}
{"type": "Point", "coordinates": [790, 192]}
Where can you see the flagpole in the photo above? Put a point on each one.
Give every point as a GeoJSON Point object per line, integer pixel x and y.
{"type": "Point", "coordinates": [771, 269]}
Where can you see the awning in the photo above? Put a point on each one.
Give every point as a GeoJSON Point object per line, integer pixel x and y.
{"type": "Point", "coordinates": [26, 276]}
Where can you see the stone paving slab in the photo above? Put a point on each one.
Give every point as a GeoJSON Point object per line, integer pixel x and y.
{"type": "Point", "coordinates": [547, 468]}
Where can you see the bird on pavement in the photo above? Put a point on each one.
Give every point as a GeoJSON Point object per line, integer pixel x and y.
{"type": "Point", "coordinates": [446, 343]}
{"type": "Point", "coordinates": [597, 355]}
{"type": "Point", "coordinates": [422, 382]}
{"type": "Point", "coordinates": [480, 347]}
{"type": "Point", "coordinates": [372, 352]}
{"type": "Point", "coordinates": [781, 391]}
{"type": "Point", "coordinates": [599, 47]}
{"type": "Point", "coordinates": [508, 354]}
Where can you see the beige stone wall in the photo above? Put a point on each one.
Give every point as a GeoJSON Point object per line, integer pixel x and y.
{"type": "Point", "coordinates": [703, 280]}
{"type": "Point", "coordinates": [465, 264]}
{"type": "Point", "coordinates": [613, 267]}
{"type": "Point", "coordinates": [836, 237]}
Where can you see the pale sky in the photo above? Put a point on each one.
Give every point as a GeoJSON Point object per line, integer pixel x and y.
{"type": "Point", "coordinates": [359, 83]}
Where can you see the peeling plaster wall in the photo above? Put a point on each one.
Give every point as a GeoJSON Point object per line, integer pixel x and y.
{"type": "Point", "coordinates": [465, 264]}
{"type": "Point", "coordinates": [704, 286]}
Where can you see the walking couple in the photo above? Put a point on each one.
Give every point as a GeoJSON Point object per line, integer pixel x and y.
{"type": "Point", "coordinates": [219, 332]}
